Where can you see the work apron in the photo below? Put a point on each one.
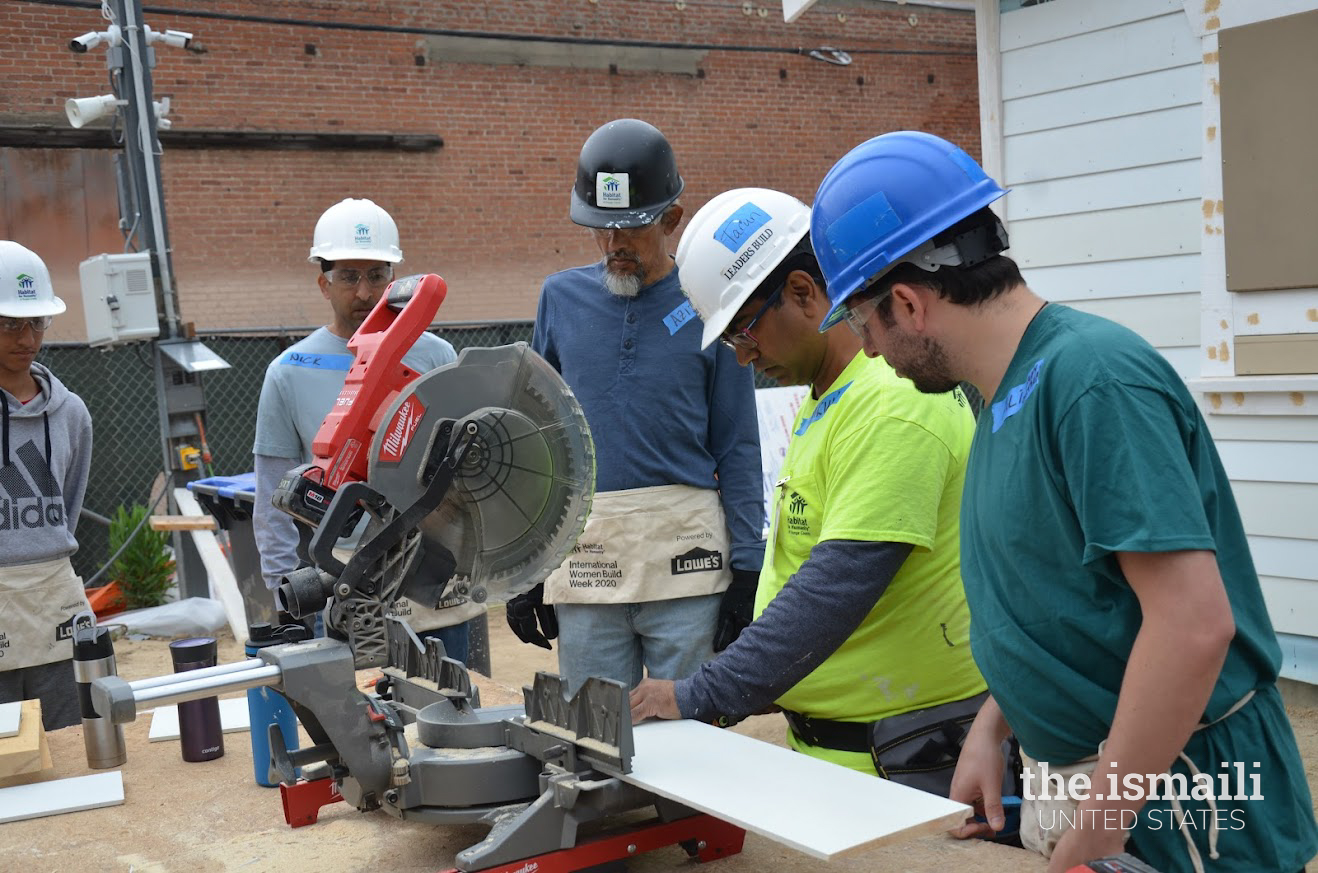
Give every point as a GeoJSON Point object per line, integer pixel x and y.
{"type": "Point", "coordinates": [644, 544]}
{"type": "Point", "coordinates": [37, 606]}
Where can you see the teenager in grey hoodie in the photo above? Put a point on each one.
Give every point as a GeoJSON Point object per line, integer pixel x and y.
{"type": "Point", "coordinates": [45, 456]}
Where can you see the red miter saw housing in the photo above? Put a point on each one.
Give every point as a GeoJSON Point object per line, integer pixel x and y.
{"type": "Point", "coordinates": [376, 377]}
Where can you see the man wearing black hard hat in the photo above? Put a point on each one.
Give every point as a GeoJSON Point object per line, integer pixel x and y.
{"type": "Point", "coordinates": [665, 572]}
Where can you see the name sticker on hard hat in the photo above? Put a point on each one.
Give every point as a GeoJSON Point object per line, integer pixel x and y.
{"type": "Point", "coordinates": [739, 226]}
{"type": "Point", "coordinates": [612, 191]}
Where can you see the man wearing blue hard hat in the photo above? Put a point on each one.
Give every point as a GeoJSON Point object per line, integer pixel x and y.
{"type": "Point", "coordinates": [1115, 610]}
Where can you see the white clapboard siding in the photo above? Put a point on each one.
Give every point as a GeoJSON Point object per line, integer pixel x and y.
{"type": "Point", "coordinates": [1278, 509]}
{"type": "Point", "coordinates": [1160, 137]}
{"type": "Point", "coordinates": [1164, 320]}
{"type": "Point", "coordinates": [1184, 359]}
{"type": "Point", "coordinates": [1266, 312]}
{"type": "Point", "coordinates": [1284, 557]}
{"type": "Point", "coordinates": [1099, 56]}
{"type": "Point", "coordinates": [1292, 604]}
{"type": "Point", "coordinates": [1288, 428]}
{"type": "Point", "coordinates": [1062, 18]}
{"type": "Point", "coordinates": [1270, 461]}
{"type": "Point", "coordinates": [1142, 277]}
{"type": "Point", "coordinates": [1115, 189]}
{"type": "Point", "coordinates": [1162, 89]}
{"type": "Point", "coordinates": [1113, 235]}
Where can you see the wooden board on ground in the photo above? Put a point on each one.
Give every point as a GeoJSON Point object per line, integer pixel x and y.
{"type": "Point", "coordinates": [183, 522]}
{"type": "Point", "coordinates": [234, 716]}
{"type": "Point", "coordinates": [223, 584]}
{"type": "Point", "coordinates": [61, 796]}
{"type": "Point", "coordinates": [25, 752]}
{"type": "Point", "coordinates": [10, 718]}
{"type": "Point", "coordinates": [818, 808]}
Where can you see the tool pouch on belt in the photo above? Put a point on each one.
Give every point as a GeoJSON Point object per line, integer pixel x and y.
{"type": "Point", "coordinates": [921, 748]}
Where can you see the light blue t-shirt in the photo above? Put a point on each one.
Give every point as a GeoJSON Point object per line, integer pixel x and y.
{"type": "Point", "coordinates": [301, 385]}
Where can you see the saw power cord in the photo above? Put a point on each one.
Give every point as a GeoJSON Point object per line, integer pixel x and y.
{"type": "Point", "coordinates": [169, 478]}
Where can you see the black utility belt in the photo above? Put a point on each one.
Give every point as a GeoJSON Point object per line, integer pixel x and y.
{"type": "Point", "coordinates": [843, 736]}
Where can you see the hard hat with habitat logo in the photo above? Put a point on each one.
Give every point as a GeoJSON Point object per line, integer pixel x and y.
{"type": "Point", "coordinates": [25, 288]}
{"type": "Point", "coordinates": [731, 245]}
{"type": "Point", "coordinates": [355, 230]}
{"type": "Point", "coordinates": [885, 201]}
{"type": "Point", "coordinates": [626, 176]}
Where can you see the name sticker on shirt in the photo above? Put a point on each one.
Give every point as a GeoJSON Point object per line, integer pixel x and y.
{"type": "Point", "coordinates": [317, 362]}
{"type": "Point", "coordinates": [828, 401]}
{"type": "Point", "coordinates": [1016, 397]}
{"type": "Point", "coordinates": [680, 317]}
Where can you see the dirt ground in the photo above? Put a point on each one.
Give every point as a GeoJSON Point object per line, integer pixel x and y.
{"type": "Point", "coordinates": [212, 816]}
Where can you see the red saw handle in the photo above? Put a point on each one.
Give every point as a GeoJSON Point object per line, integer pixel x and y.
{"type": "Point", "coordinates": [377, 375]}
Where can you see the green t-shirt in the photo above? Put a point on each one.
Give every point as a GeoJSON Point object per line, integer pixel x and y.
{"type": "Point", "coordinates": [873, 460]}
{"type": "Point", "coordinates": [1092, 446]}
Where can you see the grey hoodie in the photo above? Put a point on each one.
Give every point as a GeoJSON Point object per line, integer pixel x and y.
{"type": "Point", "coordinates": [45, 457]}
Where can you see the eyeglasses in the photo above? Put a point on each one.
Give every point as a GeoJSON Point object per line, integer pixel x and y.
{"type": "Point", "coordinates": [38, 323]}
{"type": "Point", "coordinates": [859, 315]}
{"type": "Point", "coordinates": [742, 339]}
{"type": "Point", "coordinates": [346, 277]}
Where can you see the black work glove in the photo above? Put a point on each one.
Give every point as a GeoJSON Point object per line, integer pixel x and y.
{"type": "Point", "coordinates": [734, 613]}
{"type": "Point", "coordinates": [532, 619]}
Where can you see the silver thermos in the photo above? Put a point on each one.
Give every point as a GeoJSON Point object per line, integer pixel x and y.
{"type": "Point", "coordinates": [93, 657]}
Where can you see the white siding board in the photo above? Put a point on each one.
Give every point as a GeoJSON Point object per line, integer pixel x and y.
{"type": "Point", "coordinates": [1168, 320]}
{"type": "Point", "coordinates": [1099, 56]}
{"type": "Point", "coordinates": [1271, 461]}
{"type": "Point", "coordinates": [1159, 183]}
{"type": "Point", "coordinates": [1063, 18]}
{"type": "Point", "coordinates": [1286, 558]}
{"type": "Point", "coordinates": [1163, 89]}
{"type": "Point", "coordinates": [1267, 312]}
{"type": "Point", "coordinates": [1113, 235]}
{"type": "Point", "coordinates": [1111, 144]}
{"type": "Point", "coordinates": [1288, 428]}
{"type": "Point", "coordinates": [1278, 509]}
{"type": "Point", "coordinates": [1141, 277]}
{"type": "Point", "coordinates": [1184, 360]}
{"type": "Point", "coordinates": [1292, 604]}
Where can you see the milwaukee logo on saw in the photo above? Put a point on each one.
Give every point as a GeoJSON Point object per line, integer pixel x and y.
{"type": "Point", "coordinates": [401, 428]}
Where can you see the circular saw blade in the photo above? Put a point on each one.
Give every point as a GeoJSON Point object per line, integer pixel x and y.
{"type": "Point", "coordinates": [519, 502]}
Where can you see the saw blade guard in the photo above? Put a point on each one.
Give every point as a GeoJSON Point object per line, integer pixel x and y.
{"type": "Point", "coordinates": [519, 502]}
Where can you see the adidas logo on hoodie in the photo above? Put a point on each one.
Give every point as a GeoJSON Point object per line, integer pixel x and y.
{"type": "Point", "coordinates": [32, 500]}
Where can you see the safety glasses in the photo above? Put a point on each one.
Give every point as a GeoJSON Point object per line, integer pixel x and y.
{"type": "Point", "coordinates": [347, 277]}
{"type": "Point", "coordinates": [858, 316]}
{"type": "Point", "coordinates": [38, 323]}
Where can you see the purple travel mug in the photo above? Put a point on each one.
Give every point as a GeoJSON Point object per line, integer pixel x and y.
{"type": "Point", "coordinates": [198, 720]}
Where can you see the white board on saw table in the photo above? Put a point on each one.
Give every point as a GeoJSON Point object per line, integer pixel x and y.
{"type": "Point", "coordinates": [234, 716]}
{"type": "Point", "coordinates": [818, 808]}
{"type": "Point", "coordinates": [61, 795]}
{"type": "Point", "coordinates": [10, 716]}
{"type": "Point", "coordinates": [223, 584]}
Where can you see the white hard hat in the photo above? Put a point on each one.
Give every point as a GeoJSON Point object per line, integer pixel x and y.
{"type": "Point", "coordinates": [25, 289]}
{"type": "Point", "coordinates": [355, 230]}
{"type": "Point", "coordinates": [731, 245]}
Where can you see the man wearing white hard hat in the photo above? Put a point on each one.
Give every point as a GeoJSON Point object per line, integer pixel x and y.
{"type": "Point", "coordinates": [45, 457]}
{"type": "Point", "coordinates": [356, 247]}
{"type": "Point", "coordinates": [861, 629]}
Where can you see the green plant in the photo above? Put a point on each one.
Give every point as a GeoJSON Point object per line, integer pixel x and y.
{"type": "Point", "coordinates": [144, 570]}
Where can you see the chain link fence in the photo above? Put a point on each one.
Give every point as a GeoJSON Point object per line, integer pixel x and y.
{"type": "Point", "coordinates": [119, 387]}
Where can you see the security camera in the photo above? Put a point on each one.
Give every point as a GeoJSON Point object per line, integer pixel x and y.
{"type": "Point", "coordinates": [176, 38]}
{"type": "Point", "coordinates": [91, 39]}
{"type": "Point", "coordinates": [86, 42]}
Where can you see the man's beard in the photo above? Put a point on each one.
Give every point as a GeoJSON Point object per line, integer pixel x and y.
{"type": "Point", "coordinates": [924, 361]}
{"type": "Point", "coordinates": [622, 284]}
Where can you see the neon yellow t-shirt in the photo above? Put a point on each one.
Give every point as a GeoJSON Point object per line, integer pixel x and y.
{"type": "Point", "coordinates": [874, 460]}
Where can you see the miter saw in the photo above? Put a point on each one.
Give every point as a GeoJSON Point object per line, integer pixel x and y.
{"type": "Point", "coordinates": [474, 479]}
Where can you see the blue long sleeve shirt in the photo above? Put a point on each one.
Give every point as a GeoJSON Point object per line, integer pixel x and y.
{"type": "Point", "coordinates": [661, 410]}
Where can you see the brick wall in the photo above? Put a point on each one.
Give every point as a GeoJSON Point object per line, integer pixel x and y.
{"type": "Point", "coordinates": [488, 211]}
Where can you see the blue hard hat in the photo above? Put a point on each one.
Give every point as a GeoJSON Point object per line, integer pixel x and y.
{"type": "Point", "coordinates": [883, 199]}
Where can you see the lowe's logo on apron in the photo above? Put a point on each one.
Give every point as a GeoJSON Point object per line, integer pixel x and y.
{"type": "Point", "coordinates": [697, 560]}
{"type": "Point", "coordinates": [64, 630]}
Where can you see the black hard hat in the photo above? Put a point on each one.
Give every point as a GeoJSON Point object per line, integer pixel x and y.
{"type": "Point", "coordinates": [626, 176]}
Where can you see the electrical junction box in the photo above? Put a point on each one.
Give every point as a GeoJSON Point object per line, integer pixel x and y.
{"type": "Point", "coordinates": [119, 298]}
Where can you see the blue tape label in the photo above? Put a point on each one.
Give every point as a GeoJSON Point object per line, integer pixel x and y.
{"type": "Point", "coordinates": [1016, 397]}
{"type": "Point", "coordinates": [827, 402]}
{"type": "Point", "coordinates": [734, 232]}
{"type": "Point", "coordinates": [317, 362]}
{"type": "Point", "coordinates": [679, 317]}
